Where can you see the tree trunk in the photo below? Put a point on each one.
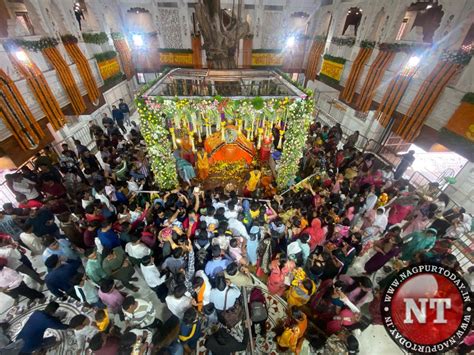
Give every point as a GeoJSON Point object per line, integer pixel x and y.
{"type": "Point", "coordinates": [221, 32]}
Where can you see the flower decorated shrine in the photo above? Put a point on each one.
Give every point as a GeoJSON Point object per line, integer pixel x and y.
{"type": "Point", "coordinates": [246, 116]}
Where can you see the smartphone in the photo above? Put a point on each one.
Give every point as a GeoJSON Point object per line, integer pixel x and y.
{"type": "Point", "coordinates": [196, 190]}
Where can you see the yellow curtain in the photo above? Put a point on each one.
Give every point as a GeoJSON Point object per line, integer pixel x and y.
{"type": "Point", "coordinates": [17, 116]}
{"type": "Point", "coordinates": [84, 70]}
{"type": "Point", "coordinates": [356, 71]}
{"type": "Point", "coordinates": [40, 88]}
{"type": "Point", "coordinates": [66, 78]}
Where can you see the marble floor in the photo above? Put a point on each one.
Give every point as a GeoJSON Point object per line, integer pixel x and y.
{"type": "Point", "coordinates": [373, 340]}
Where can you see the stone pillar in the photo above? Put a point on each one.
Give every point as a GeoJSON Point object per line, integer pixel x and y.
{"type": "Point", "coordinates": [4, 17]}
{"type": "Point", "coordinates": [247, 52]}
{"type": "Point", "coordinates": [197, 51]}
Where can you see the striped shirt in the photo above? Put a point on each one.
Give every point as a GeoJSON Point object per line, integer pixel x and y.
{"type": "Point", "coordinates": [143, 316]}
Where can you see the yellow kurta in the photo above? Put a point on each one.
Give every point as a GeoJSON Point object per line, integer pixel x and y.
{"type": "Point", "coordinates": [253, 180]}
{"type": "Point", "coordinates": [202, 165]}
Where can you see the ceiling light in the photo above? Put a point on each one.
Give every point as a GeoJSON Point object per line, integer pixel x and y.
{"type": "Point", "coordinates": [21, 56]}
{"type": "Point", "coordinates": [412, 62]}
{"type": "Point", "coordinates": [429, 6]}
{"type": "Point", "coordinates": [137, 40]}
{"type": "Point", "coordinates": [290, 42]}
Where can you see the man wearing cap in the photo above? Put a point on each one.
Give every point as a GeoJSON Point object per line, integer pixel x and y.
{"type": "Point", "coordinates": [418, 241]}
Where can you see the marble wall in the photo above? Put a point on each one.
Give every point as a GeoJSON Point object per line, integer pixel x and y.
{"type": "Point", "coordinates": [380, 22]}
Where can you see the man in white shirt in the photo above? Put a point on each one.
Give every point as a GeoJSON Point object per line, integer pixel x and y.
{"type": "Point", "coordinates": [238, 228]}
{"type": "Point", "coordinates": [11, 283]}
{"type": "Point", "coordinates": [209, 217]}
{"type": "Point", "coordinates": [153, 277]}
{"type": "Point", "coordinates": [179, 302]}
{"type": "Point", "coordinates": [136, 249]}
{"type": "Point", "coordinates": [25, 186]}
{"type": "Point", "coordinates": [83, 329]}
{"type": "Point", "coordinates": [14, 260]}
{"type": "Point", "coordinates": [86, 199]}
{"type": "Point", "coordinates": [102, 197]}
{"type": "Point", "coordinates": [231, 211]}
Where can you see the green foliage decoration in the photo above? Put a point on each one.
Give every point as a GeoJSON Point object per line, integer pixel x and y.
{"type": "Point", "coordinates": [117, 35]}
{"type": "Point", "coordinates": [300, 113]}
{"type": "Point", "coordinates": [33, 46]}
{"type": "Point", "coordinates": [343, 41]}
{"type": "Point", "coordinates": [113, 80]}
{"type": "Point", "coordinates": [468, 97]}
{"type": "Point", "coordinates": [102, 57]}
{"type": "Point", "coordinates": [95, 38]}
{"type": "Point", "coordinates": [69, 38]}
{"type": "Point", "coordinates": [334, 59]}
{"type": "Point", "coordinates": [159, 149]}
{"type": "Point", "coordinates": [367, 44]}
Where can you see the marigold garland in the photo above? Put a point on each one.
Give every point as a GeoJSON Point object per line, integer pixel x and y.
{"type": "Point", "coordinates": [40, 88]}
{"type": "Point", "coordinates": [17, 116]}
{"type": "Point", "coordinates": [83, 67]}
{"type": "Point", "coordinates": [426, 98]}
{"type": "Point", "coordinates": [356, 70]}
{"type": "Point", "coordinates": [314, 58]}
{"type": "Point", "coordinates": [66, 78]}
{"type": "Point", "coordinates": [125, 55]}
{"type": "Point", "coordinates": [373, 78]}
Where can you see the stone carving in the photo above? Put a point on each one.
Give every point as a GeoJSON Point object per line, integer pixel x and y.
{"type": "Point", "coordinates": [170, 27]}
{"type": "Point", "coordinates": [415, 35]}
{"type": "Point", "coordinates": [272, 29]}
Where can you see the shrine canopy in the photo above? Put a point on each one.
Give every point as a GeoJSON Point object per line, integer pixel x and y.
{"type": "Point", "coordinates": [191, 105]}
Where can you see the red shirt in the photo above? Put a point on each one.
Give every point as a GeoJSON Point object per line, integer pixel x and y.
{"type": "Point", "coordinates": [56, 190]}
{"type": "Point", "coordinates": [93, 217]}
{"type": "Point", "coordinates": [194, 227]}
{"type": "Point", "coordinates": [30, 204]}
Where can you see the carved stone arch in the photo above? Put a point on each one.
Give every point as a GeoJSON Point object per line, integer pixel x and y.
{"type": "Point", "coordinates": [456, 33]}
{"type": "Point", "coordinates": [325, 24]}
{"type": "Point", "coordinates": [93, 16]}
{"type": "Point", "coordinates": [111, 17]}
{"type": "Point", "coordinates": [57, 19]}
{"type": "Point", "coordinates": [375, 32]}
{"type": "Point", "coordinates": [139, 19]}
{"type": "Point", "coordinates": [35, 18]}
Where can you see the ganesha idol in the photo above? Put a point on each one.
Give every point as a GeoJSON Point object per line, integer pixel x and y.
{"type": "Point", "coordinates": [234, 147]}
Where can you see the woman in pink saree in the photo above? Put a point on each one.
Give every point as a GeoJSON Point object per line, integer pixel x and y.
{"type": "Point", "coordinates": [280, 268]}
{"type": "Point", "coordinates": [316, 233]}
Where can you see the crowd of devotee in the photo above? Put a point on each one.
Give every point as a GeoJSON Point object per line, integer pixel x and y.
{"type": "Point", "coordinates": [328, 247]}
